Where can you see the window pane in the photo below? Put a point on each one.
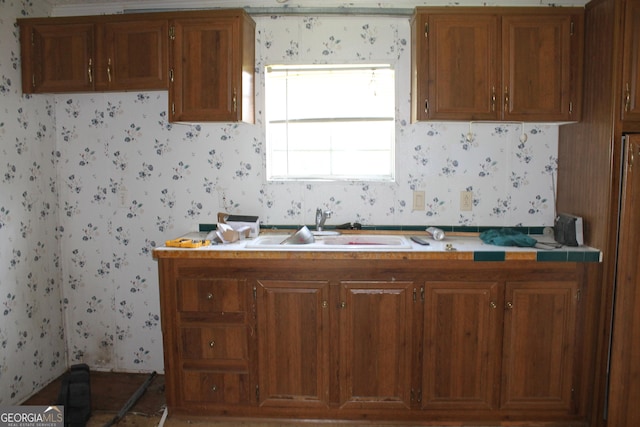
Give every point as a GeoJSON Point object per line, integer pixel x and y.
{"type": "Point", "coordinates": [330, 122]}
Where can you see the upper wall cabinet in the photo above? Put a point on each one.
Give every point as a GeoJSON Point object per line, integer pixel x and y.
{"type": "Point", "coordinates": [104, 53]}
{"type": "Point", "coordinates": [212, 67]}
{"type": "Point", "coordinates": [206, 59]}
{"type": "Point", "coordinates": [631, 63]}
{"type": "Point", "coordinates": [520, 64]}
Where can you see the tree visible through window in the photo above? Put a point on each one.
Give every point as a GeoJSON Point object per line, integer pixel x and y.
{"type": "Point", "coordinates": [330, 122]}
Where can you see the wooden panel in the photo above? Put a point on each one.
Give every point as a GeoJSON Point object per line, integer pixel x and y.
{"type": "Point", "coordinates": [463, 77]}
{"type": "Point", "coordinates": [293, 343]}
{"type": "Point", "coordinates": [537, 67]}
{"type": "Point", "coordinates": [625, 356]}
{"type": "Point", "coordinates": [462, 345]}
{"type": "Point", "coordinates": [539, 341]}
{"type": "Point", "coordinates": [375, 344]}
{"type": "Point", "coordinates": [215, 387]}
{"type": "Point", "coordinates": [133, 55]}
{"type": "Point", "coordinates": [220, 343]}
{"type": "Point", "coordinates": [631, 62]}
{"type": "Point", "coordinates": [203, 64]}
{"type": "Point", "coordinates": [211, 295]}
{"type": "Point", "coordinates": [63, 59]}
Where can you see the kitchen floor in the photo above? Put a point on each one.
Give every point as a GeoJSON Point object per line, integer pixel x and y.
{"type": "Point", "coordinates": [111, 391]}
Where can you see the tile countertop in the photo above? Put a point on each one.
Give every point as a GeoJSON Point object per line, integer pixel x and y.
{"type": "Point", "coordinates": [455, 246]}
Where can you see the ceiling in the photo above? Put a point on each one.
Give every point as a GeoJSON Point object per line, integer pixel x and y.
{"type": "Point", "coordinates": [64, 7]}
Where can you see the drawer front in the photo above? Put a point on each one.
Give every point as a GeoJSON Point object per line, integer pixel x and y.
{"type": "Point", "coordinates": [211, 295]}
{"type": "Point", "coordinates": [215, 387]}
{"type": "Point", "coordinates": [214, 343]}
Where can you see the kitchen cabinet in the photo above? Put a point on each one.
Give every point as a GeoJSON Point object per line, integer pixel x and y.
{"type": "Point", "coordinates": [539, 345]}
{"type": "Point", "coordinates": [57, 57]}
{"type": "Point", "coordinates": [509, 64]}
{"type": "Point", "coordinates": [83, 54]}
{"type": "Point", "coordinates": [462, 318]}
{"type": "Point", "coordinates": [205, 59]}
{"type": "Point", "coordinates": [211, 340]}
{"type": "Point", "coordinates": [212, 68]}
{"type": "Point", "coordinates": [136, 55]}
{"type": "Point", "coordinates": [293, 342]}
{"type": "Point", "coordinates": [487, 339]}
{"type": "Point", "coordinates": [333, 336]}
{"type": "Point", "coordinates": [376, 344]}
{"type": "Point", "coordinates": [631, 63]}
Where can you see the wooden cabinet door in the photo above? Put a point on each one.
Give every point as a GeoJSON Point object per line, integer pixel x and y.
{"type": "Point", "coordinates": [539, 346]}
{"type": "Point", "coordinates": [293, 343]}
{"type": "Point", "coordinates": [375, 327]}
{"type": "Point", "coordinates": [631, 62]}
{"type": "Point", "coordinates": [61, 60]}
{"type": "Point", "coordinates": [205, 70]}
{"type": "Point", "coordinates": [625, 349]}
{"type": "Point", "coordinates": [462, 76]}
{"type": "Point", "coordinates": [133, 55]}
{"type": "Point", "coordinates": [462, 330]}
{"type": "Point", "coordinates": [537, 67]}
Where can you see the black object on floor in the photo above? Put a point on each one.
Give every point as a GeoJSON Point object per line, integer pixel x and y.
{"type": "Point", "coordinates": [75, 396]}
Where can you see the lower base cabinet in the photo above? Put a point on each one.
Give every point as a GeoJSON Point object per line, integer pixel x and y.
{"type": "Point", "coordinates": [412, 341]}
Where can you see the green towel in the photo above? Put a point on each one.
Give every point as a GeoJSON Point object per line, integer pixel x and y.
{"type": "Point", "coordinates": [507, 237]}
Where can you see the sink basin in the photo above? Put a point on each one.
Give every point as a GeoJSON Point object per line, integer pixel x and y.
{"type": "Point", "coordinates": [370, 242]}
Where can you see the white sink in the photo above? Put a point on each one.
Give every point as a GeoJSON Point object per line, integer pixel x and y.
{"type": "Point", "coordinates": [369, 242]}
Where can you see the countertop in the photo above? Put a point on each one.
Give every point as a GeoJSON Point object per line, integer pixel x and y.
{"type": "Point", "coordinates": [463, 246]}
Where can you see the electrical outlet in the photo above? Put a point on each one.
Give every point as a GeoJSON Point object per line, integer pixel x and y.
{"type": "Point", "coordinates": [418, 200]}
{"type": "Point", "coordinates": [466, 200]}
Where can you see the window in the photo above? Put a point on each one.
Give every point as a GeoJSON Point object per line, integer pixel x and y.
{"type": "Point", "coordinates": [330, 122]}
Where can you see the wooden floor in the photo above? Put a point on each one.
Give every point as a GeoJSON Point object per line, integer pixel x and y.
{"type": "Point", "coordinates": [111, 391]}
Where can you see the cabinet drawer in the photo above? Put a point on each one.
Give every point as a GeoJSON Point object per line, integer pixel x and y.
{"type": "Point", "coordinates": [210, 295]}
{"type": "Point", "coordinates": [215, 387]}
{"type": "Point", "coordinates": [214, 343]}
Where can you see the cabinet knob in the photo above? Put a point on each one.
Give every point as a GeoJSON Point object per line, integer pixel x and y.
{"type": "Point", "coordinates": [214, 388]}
{"type": "Point", "coordinates": [493, 304]}
{"type": "Point", "coordinates": [209, 296]}
{"type": "Point", "coordinates": [342, 305]}
{"type": "Point", "coordinates": [325, 304]}
{"type": "Point", "coordinates": [509, 305]}
{"type": "Point", "coordinates": [212, 343]}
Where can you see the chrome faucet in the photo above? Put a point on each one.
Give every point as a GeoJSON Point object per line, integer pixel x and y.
{"type": "Point", "coordinates": [321, 217]}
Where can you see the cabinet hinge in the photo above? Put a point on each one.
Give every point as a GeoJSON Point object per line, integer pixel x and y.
{"type": "Point", "coordinates": [426, 30]}
{"type": "Point", "coordinates": [571, 28]}
{"type": "Point", "coordinates": [422, 294]}
{"type": "Point", "coordinates": [570, 107]}
{"type": "Point", "coordinates": [255, 293]}
{"type": "Point", "coordinates": [172, 33]}
{"type": "Point", "coordinates": [33, 37]}
{"type": "Point", "coordinates": [415, 295]}
{"type": "Point", "coordinates": [173, 108]}
{"type": "Point", "coordinates": [257, 393]}
{"type": "Point", "coordinates": [578, 294]}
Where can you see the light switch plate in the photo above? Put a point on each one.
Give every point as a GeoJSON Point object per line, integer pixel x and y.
{"type": "Point", "coordinates": [418, 200]}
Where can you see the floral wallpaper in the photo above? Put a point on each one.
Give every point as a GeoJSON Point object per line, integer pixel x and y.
{"type": "Point", "coordinates": [32, 337]}
{"type": "Point", "coordinates": [93, 182]}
